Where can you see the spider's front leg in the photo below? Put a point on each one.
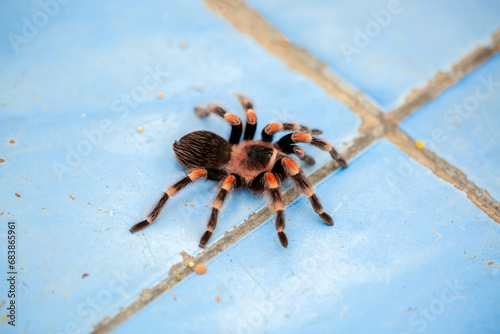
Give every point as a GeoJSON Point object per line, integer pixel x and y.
{"type": "Point", "coordinates": [290, 167]}
{"type": "Point", "coordinates": [251, 125]}
{"type": "Point", "coordinates": [302, 137]}
{"type": "Point", "coordinates": [270, 182]}
{"type": "Point", "coordinates": [229, 183]}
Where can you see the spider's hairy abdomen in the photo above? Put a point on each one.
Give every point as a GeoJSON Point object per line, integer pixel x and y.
{"type": "Point", "coordinates": [203, 149]}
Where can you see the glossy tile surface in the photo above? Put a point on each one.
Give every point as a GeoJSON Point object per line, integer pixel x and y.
{"type": "Point", "coordinates": [408, 254]}
{"type": "Point", "coordinates": [72, 99]}
{"type": "Point", "coordinates": [385, 48]}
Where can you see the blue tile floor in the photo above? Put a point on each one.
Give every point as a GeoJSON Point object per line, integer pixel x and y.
{"type": "Point", "coordinates": [93, 95]}
{"type": "Point", "coordinates": [385, 267]}
{"type": "Point", "coordinates": [462, 126]}
{"type": "Point", "coordinates": [86, 175]}
{"type": "Point", "coordinates": [385, 48]}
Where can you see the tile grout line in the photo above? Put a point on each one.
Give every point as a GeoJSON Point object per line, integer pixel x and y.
{"type": "Point", "coordinates": [451, 174]}
{"type": "Point", "coordinates": [444, 80]}
{"type": "Point", "coordinates": [375, 125]}
{"type": "Point", "coordinates": [209, 253]}
{"type": "Point", "coordinates": [247, 21]}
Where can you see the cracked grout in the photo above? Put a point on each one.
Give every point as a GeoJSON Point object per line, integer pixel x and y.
{"type": "Point", "coordinates": [375, 125]}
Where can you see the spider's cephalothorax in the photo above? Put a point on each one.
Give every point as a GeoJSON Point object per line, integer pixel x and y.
{"type": "Point", "coordinates": [258, 165]}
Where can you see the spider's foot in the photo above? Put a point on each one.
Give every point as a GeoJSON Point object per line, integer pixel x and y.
{"type": "Point", "coordinates": [335, 156]}
{"type": "Point", "coordinates": [309, 160]}
{"type": "Point", "coordinates": [341, 162]}
{"type": "Point", "coordinates": [204, 238]}
{"type": "Point", "coordinates": [326, 218]}
{"type": "Point", "coordinates": [139, 226]}
{"type": "Point", "coordinates": [283, 239]}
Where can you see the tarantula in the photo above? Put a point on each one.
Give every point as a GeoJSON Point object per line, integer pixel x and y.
{"type": "Point", "coordinates": [257, 165]}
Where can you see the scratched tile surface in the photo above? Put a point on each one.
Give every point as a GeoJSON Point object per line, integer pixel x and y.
{"type": "Point", "coordinates": [462, 126]}
{"type": "Point", "coordinates": [385, 48]}
{"type": "Point", "coordinates": [84, 82]}
{"type": "Point", "coordinates": [409, 253]}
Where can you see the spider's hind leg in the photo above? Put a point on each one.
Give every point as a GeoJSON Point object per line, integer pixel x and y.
{"type": "Point", "coordinates": [190, 178]}
{"type": "Point", "coordinates": [231, 119]}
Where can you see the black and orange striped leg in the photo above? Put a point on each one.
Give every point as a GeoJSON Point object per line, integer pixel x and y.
{"type": "Point", "coordinates": [292, 168]}
{"type": "Point", "coordinates": [251, 124]}
{"type": "Point", "coordinates": [271, 183]}
{"type": "Point", "coordinates": [271, 129]}
{"type": "Point", "coordinates": [231, 119]}
{"type": "Point", "coordinates": [190, 178]}
{"type": "Point", "coordinates": [301, 137]}
{"type": "Point", "coordinates": [299, 152]}
{"type": "Point", "coordinates": [229, 183]}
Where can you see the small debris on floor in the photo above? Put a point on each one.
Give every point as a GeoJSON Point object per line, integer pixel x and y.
{"type": "Point", "coordinates": [140, 129]}
{"type": "Point", "coordinates": [420, 145]}
{"type": "Point", "coordinates": [285, 42]}
{"type": "Point", "coordinates": [191, 264]}
{"type": "Point", "coordinates": [160, 95]}
{"type": "Point", "coordinates": [179, 278]}
{"type": "Point", "coordinates": [175, 298]}
{"type": "Point", "coordinates": [85, 275]}
{"type": "Point", "coordinates": [218, 299]}
{"type": "Point", "coordinates": [200, 268]}
{"type": "Point", "coordinates": [18, 195]}
{"type": "Point", "coordinates": [71, 197]}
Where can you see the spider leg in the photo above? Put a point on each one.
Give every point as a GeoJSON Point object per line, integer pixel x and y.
{"type": "Point", "coordinates": [251, 124]}
{"type": "Point", "coordinates": [271, 129]}
{"type": "Point", "coordinates": [190, 178]}
{"type": "Point", "coordinates": [233, 120]}
{"type": "Point", "coordinates": [271, 184]}
{"type": "Point", "coordinates": [299, 152]}
{"type": "Point", "coordinates": [301, 137]}
{"type": "Point", "coordinates": [292, 168]}
{"type": "Point", "coordinates": [228, 184]}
